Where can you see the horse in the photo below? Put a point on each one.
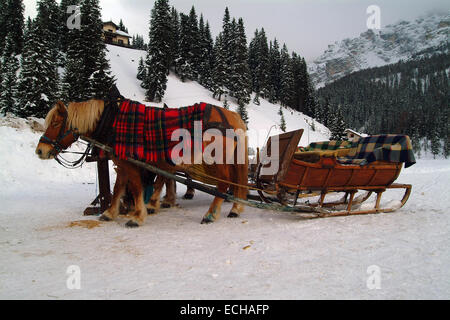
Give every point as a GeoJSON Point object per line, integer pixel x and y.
{"type": "Point", "coordinates": [64, 125]}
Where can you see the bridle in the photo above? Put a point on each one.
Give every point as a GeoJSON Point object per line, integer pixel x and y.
{"type": "Point", "coordinates": [65, 138]}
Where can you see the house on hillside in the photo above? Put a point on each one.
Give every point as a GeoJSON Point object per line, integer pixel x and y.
{"type": "Point", "coordinates": [353, 135]}
{"type": "Point", "coordinates": [112, 35]}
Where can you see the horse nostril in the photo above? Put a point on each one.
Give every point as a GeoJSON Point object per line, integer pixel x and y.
{"type": "Point", "coordinates": [39, 152]}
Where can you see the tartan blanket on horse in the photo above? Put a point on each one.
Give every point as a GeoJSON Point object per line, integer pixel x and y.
{"type": "Point", "coordinates": [144, 133]}
{"type": "Point", "coordinates": [391, 148]}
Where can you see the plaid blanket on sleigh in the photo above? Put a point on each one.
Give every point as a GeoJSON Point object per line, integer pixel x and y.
{"type": "Point", "coordinates": [392, 148]}
{"type": "Point", "coordinates": [328, 145]}
{"type": "Point", "coordinates": [144, 133]}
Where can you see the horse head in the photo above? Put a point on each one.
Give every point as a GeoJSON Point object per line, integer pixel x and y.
{"type": "Point", "coordinates": [58, 135]}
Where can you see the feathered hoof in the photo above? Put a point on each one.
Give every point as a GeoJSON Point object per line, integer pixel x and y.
{"type": "Point", "coordinates": [132, 224]}
{"type": "Point", "coordinates": [233, 215]}
{"type": "Point", "coordinates": [188, 196]}
{"type": "Point", "coordinates": [104, 218]}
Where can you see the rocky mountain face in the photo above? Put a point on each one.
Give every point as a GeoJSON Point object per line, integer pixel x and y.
{"type": "Point", "coordinates": [404, 40]}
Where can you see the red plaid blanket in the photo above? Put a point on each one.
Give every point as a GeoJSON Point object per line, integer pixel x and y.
{"type": "Point", "coordinates": [144, 133]}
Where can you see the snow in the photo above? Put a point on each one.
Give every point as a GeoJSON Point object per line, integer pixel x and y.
{"type": "Point", "coordinates": [122, 33]}
{"type": "Point", "coordinates": [261, 255]}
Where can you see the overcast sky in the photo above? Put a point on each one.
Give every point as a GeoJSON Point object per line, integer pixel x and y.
{"type": "Point", "coordinates": [306, 26]}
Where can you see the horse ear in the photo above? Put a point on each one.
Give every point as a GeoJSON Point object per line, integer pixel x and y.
{"type": "Point", "coordinates": [61, 107]}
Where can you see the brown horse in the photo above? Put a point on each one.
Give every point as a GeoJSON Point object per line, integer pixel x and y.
{"type": "Point", "coordinates": [65, 124]}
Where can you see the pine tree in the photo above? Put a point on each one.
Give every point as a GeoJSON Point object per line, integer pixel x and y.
{"type": "Point", "coordinates": [274, 72]}
{"type": "Point", "coordinates": [195, 48]}
{"type": "Point", "coordinates": [282, 120]}
{"type": "Point", "coordinates": [8, 85]}
{"type": "Point", "coordinates": [122, 26]}
{"type": "Point", "coordinates": [12, 24]}
{"type": "Point", "coordinates": [65, 36]}
{"type": "Point", "coordinates": [286, 78]}
{"type": "Point", "coordinates": [28, 82]}
{"type": "Point", "coordinates": [240, 83]}
{"type": "Point", "coordinates": [101, 79]}
{"type": "Point", "coordinates": [87, 73]}
{"type": "Point", "coordinates": [242, 110]}
{"type": "Point", "coordinates": [253, 58]}
{"type": "Point", "coordinates": [225, 103]}
{"type": "Point", "coordinates": [220, 68]}
{"type": "Point", "coordinates": [158, 54]}
{"type": "Point", "coordinates": [206, 52]}
{"type": "Point", "coordinates": [39, 80]}
{"type": "Point", "coordinates": [227, 45]}
{"type": "Point", "coordinates": [337, 125]}
{"type": "Point", "coordinates": [185, 68]}
{"type": "Point", "coordinates": [174, 38]}
{"type": "Point", "coordinates": [435, 143]}
{"type": "Point", "coordinates": [142, 71]}
{"type": "Point", "coordinates": [259, 64]}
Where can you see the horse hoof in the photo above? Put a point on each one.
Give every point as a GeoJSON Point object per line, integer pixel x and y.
{"type": "Point", "coordinates": [188, 196]}
{"type": "Point", "coordinates": [132, 224]}
{"type": "Point", "coordinates": [151, 211]}
{"type": "Point", "coordinates": [206, 221]}
{"type": "Point", "coordinates": [166, 205]}
{"type": "Point", "coordinates": [104, 218]}
{"type": "Point", "coordinates": [233, 215]}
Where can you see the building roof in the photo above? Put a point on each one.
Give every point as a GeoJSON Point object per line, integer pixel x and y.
{"type": "Point", "coordinates": [362, 135]}
{"type": "Point", "coordinates": [110, 22]}
{"type": "Point", "coordinates": [123, 34]}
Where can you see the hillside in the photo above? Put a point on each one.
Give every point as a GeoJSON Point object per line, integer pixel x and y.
{"type": "Point", "coordinates": [262, 118]}
{"type": "Point", "coordinates": [407, 98]}
{"type": "Point", "coordinates": [401, 41]}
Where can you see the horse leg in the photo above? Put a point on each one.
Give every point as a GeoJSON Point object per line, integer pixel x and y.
{"type": "Point", "coordinates": [240, 173]}
{"type": "Point", "coordinates": [119, 190]}
{"type": "Point", "coordinates": [171, 194]}
{"type": "Point", "coordinates": [154, 203]}
{"type": "Point", "coordinates": [214, 210]}
{"type": "Point", "coordinates": [136, 188]}
{"type": "Point", "coordinates": [189, 195]}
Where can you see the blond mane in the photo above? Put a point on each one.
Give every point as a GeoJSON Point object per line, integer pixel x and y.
{"type": "Point", "coordinates": [83, 116]}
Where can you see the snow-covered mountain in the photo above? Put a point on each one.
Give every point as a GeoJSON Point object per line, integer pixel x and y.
{"type": "Point", "coordinates": [374, 48]}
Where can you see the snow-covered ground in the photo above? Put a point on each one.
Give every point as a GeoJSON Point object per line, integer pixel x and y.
{"type": "Point", "coordinates": [262, 255]}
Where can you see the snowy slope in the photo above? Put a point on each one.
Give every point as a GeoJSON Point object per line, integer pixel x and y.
{"type": "Point", "coordinates": [124, 63]}
{"type": "Point", "coordinates": [400, 41]}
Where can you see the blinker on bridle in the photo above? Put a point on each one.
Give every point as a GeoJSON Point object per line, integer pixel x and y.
{"type": "Point", "coordinates": [59, 147]}
{"type": "Point", "coordinates": [63, 133]}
